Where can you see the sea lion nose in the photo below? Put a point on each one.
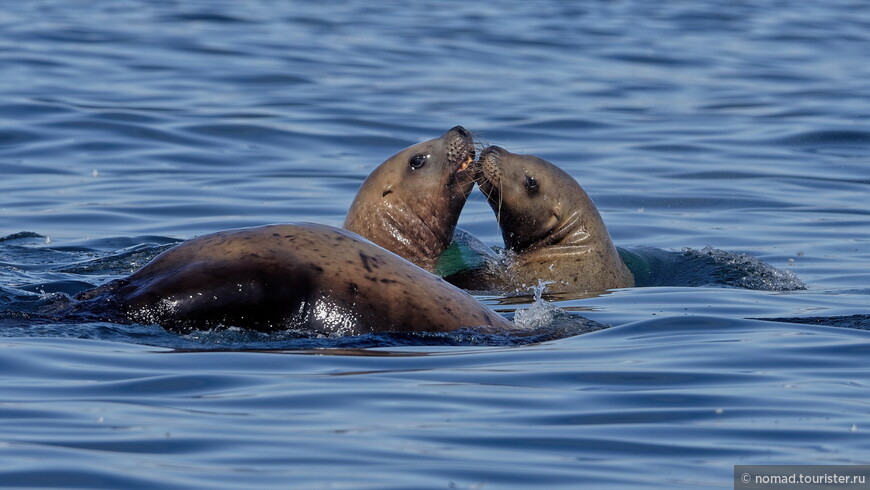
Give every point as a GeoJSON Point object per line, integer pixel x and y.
{"type": "Point", "coordinates": [495, 151]}
{"type": "Point", "coordinates": [462, 131]}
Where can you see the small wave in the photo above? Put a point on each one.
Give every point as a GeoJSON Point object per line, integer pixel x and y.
{"type": "Point", "coordinates": [239, 339]}
{"type": "Point", "coordinates": [124, 261]}
{"type": "Point", "coordinates": [207, 17]}
{"type": "Point", "coordinates": [859, 322]}
{"type": "Point", "coordinates": [828, 137]}
{"type": "Point", "coordinates": [17, 137]}
{"type": "Point", "coordinates": [656, 60]}
{"type": "Point", "coordinates": [21, 235]}
{"type": "Point", "coordinates": [266, 79]}
{"type": "Point", "coordinates": [843, 143]}
{"type": "Point", "coordinates": [563, 123]}
{"type": "Point", "coordinates": [673, 148]}
{"type": "Point", "coordinates": [129, 132]}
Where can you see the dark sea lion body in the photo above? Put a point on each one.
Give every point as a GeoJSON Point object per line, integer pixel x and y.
{"type": "Point", "coordinates": [410, 204]}
{"type": "Point", "coordinates": [298, 276]}
{"type": "Point", "coordinates": [550, 225]}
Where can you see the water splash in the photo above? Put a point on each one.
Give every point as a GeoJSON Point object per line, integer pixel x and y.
{"type": "Point", "coordinates": [540, 312]}
{"type": "Point", "coordinates": [542, 315]}
{"type": "Point", "coordinates": [745, 271]}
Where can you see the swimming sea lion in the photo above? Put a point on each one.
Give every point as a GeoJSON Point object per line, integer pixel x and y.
{"type": "Point", "coordinates": [410, 203]}
{"type": "Point", "coordinates": [296, 276]}
{"type": "Point", "coordinates": [550, 224]}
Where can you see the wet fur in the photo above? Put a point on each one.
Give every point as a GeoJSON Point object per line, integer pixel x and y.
{"type": "Point", "coordinates": [306, 277]}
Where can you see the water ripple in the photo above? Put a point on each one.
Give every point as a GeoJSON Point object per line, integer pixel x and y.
{"type": "Point", "coordinates": [740, 127]}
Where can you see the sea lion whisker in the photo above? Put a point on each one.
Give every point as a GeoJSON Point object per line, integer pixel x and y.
{"type": "Point", "coordinates": [500, 199]}
{"type": "Point", "coordinates": [480, 181]}
{"type": "Point", "coordinates": [489, 187]}
{"type": "Point", "coordinates": [460, 178]}
{"type": "Point", "coordinates": [480, 144]}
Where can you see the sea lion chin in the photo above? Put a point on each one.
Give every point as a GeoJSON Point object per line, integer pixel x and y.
{"type": "Point", "coordinates": [410, 203]}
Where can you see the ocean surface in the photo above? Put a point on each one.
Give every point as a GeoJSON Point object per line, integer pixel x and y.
{"type": "Point", "coordinates": [737, 131]}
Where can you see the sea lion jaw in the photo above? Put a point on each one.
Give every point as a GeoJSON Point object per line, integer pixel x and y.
{"type": "Point", "coordinates": [521, 193]}
{"type": "Point", "coordinates": [410, 204]}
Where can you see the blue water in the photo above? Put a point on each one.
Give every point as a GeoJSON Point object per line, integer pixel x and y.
{"type": "Point", "coordinates": [126, 126]}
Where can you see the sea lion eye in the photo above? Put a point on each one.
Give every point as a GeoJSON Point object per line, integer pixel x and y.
{"type": "Point", "coordinates": [417, 161]}
{"type": "Point", "coordinates": [531, 183]}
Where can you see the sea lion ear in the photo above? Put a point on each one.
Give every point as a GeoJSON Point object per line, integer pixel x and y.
{"type": "Point", "coordinates": [388, 189]}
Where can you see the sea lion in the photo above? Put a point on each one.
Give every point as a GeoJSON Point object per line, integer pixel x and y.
{"type": "Point", "coordinates": [410, 203]}
{"type": "Point", "coordinates": [294, 276]}
{"type": "Point", "coordinates": [550, 226]}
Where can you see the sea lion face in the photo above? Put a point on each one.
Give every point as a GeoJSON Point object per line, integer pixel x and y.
{"type": "Point", "coordinates": [434, 170]}
{"type": "Point", "coordinates": [550, 223]}
{"type": "Point", "coordinates": [410, 203]}
{"type": "Point", "coordinates": [529, 195]}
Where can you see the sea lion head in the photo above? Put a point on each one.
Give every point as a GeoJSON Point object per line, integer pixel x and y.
{"type": "Point", "coordinates": [410, 204]}
{"type": "Point", "coordinates": [536, 203]}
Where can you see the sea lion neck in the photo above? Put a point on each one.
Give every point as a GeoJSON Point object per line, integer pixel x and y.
{"type": "Point", "coordinates": [569, 232]}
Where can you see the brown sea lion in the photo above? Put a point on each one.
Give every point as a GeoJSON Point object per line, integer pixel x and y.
{"type": "Point", "coordinates": [550, 226]}
{"type": "Point", "coordinates": [297, 276]}
{"type": "Point", "coordinates": [410, 203]}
